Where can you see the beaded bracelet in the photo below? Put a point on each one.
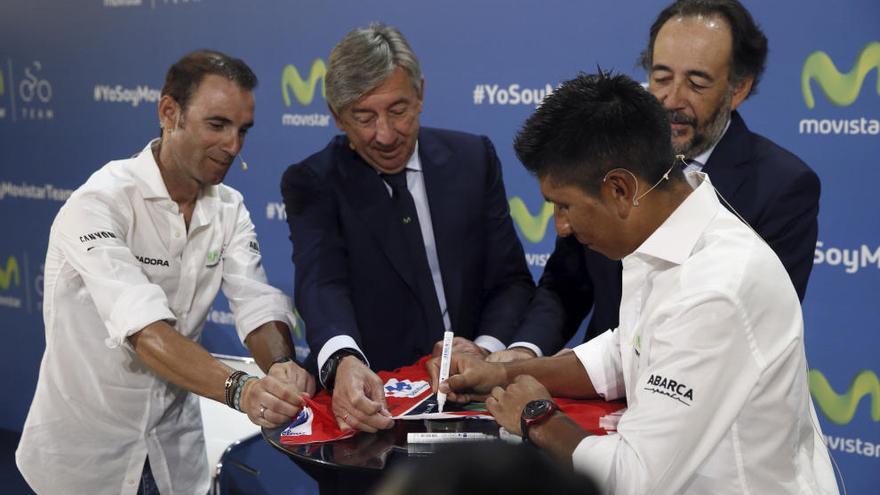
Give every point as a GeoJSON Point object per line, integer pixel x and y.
{"type": "Point", "coordinates": [239, 389]}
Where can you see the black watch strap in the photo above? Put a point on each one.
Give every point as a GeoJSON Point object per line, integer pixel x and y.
{"type": "Point", "coordinates": [524, 428]}
{"type": "Point", "coordinates": [328, 371]}
{"type": "Point", "coordinates": [282, 359]}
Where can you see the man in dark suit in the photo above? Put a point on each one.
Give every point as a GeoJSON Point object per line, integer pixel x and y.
{"type": "Point", "coordinates": [399, 232]}
{"type": "Point", "coordinates": [704, 58]}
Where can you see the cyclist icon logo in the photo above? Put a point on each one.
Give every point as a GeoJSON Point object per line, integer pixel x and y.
{"type": "Point", "coordinates": [34, 87]}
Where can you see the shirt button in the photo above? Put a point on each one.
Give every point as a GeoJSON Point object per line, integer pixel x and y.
{"type": "Point", "coordinates": [177, 235]}
{"type": "Point", "coordinates": [130, 481]}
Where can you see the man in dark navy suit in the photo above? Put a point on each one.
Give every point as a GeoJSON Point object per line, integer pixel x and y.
{"type": "Point", "coordinates": [704, 58]}
{"type": "Point", "coordinates": [399, 232]}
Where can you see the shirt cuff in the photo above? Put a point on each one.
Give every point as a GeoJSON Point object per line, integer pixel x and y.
{"type": "Point", "coordinates": [262, 309]}
{"type": "Point", "coordinates": [489, 343]}
{"type": "Point", "coordinates": [594, 356]}
{"type": "Point", "coordinates": [529, 346]}
{"type": "Point", "coordinates": [335, 344]}
{"type": "Point", "coordinates": [135, 308]}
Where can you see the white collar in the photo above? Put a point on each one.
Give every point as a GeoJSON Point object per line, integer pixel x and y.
{"type": "Point", "coordinates": [675, 238]}
{"type": "Point", "coordinates": [152, 186]}
{"type": "Point", "coordinates": [414, 163]}
{"type": "Point", "coordinates": [149, 177]}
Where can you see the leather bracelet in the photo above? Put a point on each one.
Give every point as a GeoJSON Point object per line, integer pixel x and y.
{"type": "Point", "coordinates": [230, 385]}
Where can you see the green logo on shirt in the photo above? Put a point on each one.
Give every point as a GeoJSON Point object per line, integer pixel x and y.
{"type": "Point", "coordinates": [841, 89]}
{"type": "Point", "coordinates": [840, 409]}
{"type": "Point", "coordinates": [10, 274]}
{"type": "Point", "coordinates": [213, 257]}
{"type": "Point", "coordinates": [303, 89]}
{"type": "Point", "coordinates": [532, 227]}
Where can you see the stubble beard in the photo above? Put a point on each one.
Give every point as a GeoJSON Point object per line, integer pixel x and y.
{"type": "Point", "coordinates": [706, 135]}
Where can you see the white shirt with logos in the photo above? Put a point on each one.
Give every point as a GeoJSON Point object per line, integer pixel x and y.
{"type": "Point", "coordinates": [709, 354]}
{"type": "Point", "coordinates": [119, 258]}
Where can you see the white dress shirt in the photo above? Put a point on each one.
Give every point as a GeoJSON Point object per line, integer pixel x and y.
{"type": "Point", "coordinates": [415, 183]}
{"type": "Point", "coordinates": [710, 357]}
{"type": "Point", "coordinates": [119, 258]}
{"type": "Point", "coordinates": [695, 164]}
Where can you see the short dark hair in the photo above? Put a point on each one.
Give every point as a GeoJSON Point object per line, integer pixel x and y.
{"type": "Point", "coordinates": [592, 124]}
{"type": "Point", "coordinates": [186, 74]}
{"type": "Point", "coordinates": [749, 42]}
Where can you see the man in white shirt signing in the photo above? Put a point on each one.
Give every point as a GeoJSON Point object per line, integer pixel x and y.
{"type": "Point", "coordinates": [136, 257]}
{"type": "Point", "coordinates": [709, 351]}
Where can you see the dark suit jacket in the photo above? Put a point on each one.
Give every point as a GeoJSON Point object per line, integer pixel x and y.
{"type": "Point", "coordinates": [352, 275]}
{"type": "Point", "coordinates": [772, 189]}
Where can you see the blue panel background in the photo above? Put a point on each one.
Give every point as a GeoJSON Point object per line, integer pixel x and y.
{"type": "Point", "coordinates": [76, 46]}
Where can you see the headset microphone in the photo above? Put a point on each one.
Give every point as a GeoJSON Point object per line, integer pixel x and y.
{"type": "Point", "coordinates": [244, 165]}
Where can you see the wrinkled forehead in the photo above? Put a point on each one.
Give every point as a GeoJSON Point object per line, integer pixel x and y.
{"type": "Point", "coordinates": [694, 42]}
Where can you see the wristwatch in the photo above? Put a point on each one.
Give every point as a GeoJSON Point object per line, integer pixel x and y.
{"type": "Point", "coordinates": [535, 412]}
{"type": "Point", "coordinates": [328, 371]}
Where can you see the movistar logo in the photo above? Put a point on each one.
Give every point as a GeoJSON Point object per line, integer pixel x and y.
{"type": "Point", "coordinates": [9, 274]}
{"type": "Point", "coordinates": [532, 227]}
{"type": "Point", "coordinates": [2, 87]}
{"type": "Point", "coordinates": [840, 89]}
{"type": "Point", "coordinates": [841, 408]}
{"type": "Point", "coordinates": [303, 89]}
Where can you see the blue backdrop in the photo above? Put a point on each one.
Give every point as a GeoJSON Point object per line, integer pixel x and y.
{"type": "Point", "coordinates": [79, 82]}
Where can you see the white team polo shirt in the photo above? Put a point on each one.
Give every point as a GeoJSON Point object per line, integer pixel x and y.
{"type": "Point", "coordinates": [119, 258]}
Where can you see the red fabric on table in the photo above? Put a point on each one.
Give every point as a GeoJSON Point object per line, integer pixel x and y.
{"type": "Point", "coordinates": [585, 413]}
{"type": "Point", "coordinates": [314, 423]}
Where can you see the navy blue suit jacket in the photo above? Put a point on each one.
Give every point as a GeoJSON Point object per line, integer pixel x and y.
{"type": "Point", "coordinates": [352, 275]}
{"type": "Point", "coordinates": [772, 189]}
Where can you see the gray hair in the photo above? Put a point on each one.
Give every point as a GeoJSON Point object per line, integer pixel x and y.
{"type": "Point", "coordinates": [363, 60]}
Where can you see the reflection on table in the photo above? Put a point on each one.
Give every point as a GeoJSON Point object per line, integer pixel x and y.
{"type": "Point", "coordinates": [373, 451]}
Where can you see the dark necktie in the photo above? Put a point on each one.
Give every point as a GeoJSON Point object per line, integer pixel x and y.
{"type": "Point", "coordinates": [404, 205]}
{"type": "Point", "coordinates": [407, 222]}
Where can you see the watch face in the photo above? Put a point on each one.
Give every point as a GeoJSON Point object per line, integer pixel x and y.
{"type": "Point", "coordinates": [536, 408]}
{"type": "Point", "coordinates": [329, 369]}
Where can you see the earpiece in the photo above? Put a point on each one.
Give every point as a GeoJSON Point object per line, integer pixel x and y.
{"type": "Point", "coordinates": [636, 195]}
{"type": "Point", "coordinates": [682, 160]}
